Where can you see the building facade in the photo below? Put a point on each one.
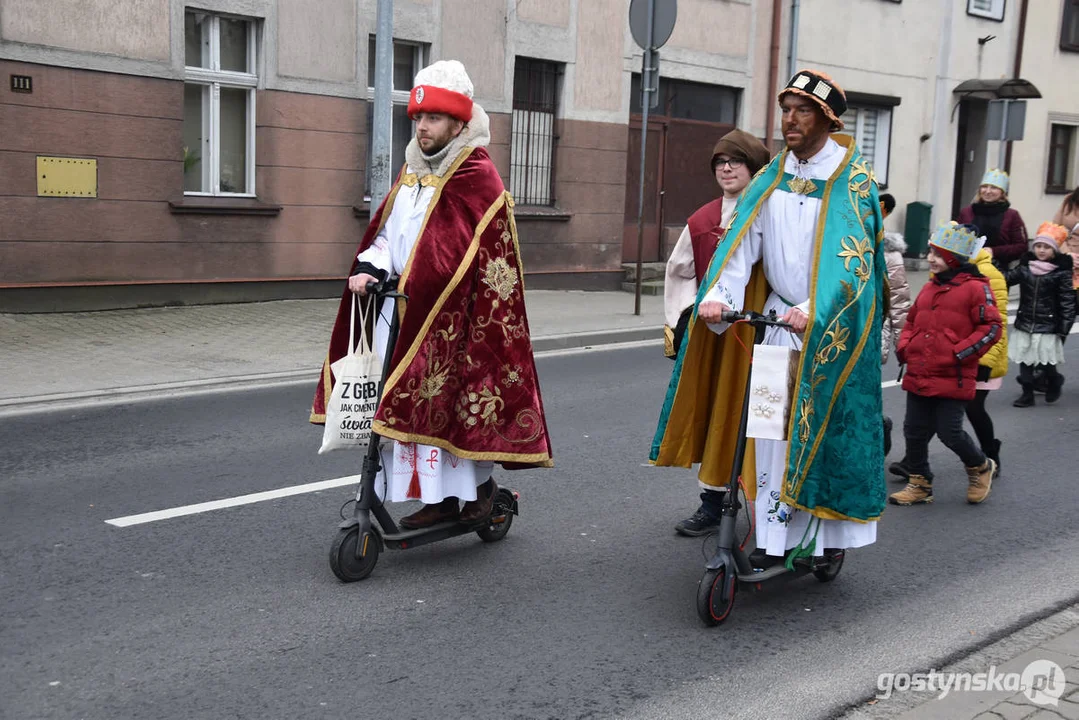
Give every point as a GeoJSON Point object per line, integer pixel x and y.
{"type": "Point", "coordinates": [156, 151]}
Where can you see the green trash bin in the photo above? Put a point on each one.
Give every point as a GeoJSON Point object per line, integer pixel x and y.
{"type": "Point", "coordinates": [917, 230]}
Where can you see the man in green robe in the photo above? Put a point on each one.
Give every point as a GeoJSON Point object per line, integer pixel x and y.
{"type": "Point", "coordinates": [805, 241]}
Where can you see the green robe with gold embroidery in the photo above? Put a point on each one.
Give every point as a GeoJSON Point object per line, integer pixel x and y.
{"type": "Point", "coordinates": [835, 456]}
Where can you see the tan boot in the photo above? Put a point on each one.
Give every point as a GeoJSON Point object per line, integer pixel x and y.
{"type": "Point", "coordinates": [980, 479]}
{"type": "Point", "coordinates": [918, 490]}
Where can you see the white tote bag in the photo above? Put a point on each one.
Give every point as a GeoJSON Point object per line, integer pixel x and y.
{"type": "Point", "coordinates": [354, 399]}
{"type": "Point", "coordinates": [771, 379]}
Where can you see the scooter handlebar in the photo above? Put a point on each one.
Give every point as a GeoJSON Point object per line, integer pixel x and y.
{"type": "Point", "coordinates": [385, 288]}
{"type": "Point", "coordinates": [755, 318]}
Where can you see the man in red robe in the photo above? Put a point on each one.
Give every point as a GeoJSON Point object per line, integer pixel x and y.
{"type": "Point", "coordinates": [736, 158]}
{"type": "Point", "coordinates": [463, 393]}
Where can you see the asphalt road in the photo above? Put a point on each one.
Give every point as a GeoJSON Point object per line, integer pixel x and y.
{"type": "Point", "coordinates": [586, 609]}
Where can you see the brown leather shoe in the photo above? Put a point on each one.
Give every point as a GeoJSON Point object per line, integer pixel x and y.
{"type": "Point", "coordinates": [478, 509]}
{"type": "Point", "coordinates": [430, 515]}
{"type": "Point", "coordinates": [980, 481]}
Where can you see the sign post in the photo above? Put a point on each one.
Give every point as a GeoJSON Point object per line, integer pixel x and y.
{"type": "Point", "coordinates": [651, 22]}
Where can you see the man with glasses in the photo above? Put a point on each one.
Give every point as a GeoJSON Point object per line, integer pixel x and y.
{"type": "Point", "coordinates": [736, 158]}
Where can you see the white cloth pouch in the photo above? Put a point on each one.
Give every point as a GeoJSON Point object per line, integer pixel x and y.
{"type": "Point", "coordinates": [771, 378]}
{"type": "Point", "coordinates": [354, 399]}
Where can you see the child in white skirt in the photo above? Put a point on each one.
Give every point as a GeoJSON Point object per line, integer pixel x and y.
{"type": "Point", "coordinates": [1046, 312]}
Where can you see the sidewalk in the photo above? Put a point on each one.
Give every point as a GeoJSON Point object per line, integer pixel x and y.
{"type": "Point", "coordinates": [67, 359]}
{"type": "Point", "coordinates": [61, 359]}
{"type": "Point", "coordinates": [1054, 639]}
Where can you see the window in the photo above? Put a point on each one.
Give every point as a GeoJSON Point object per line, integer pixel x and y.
{"type": "Point", "coordinates": [690, 100]}
{"type": "Point", "coordinates": [532, 135]}
{"type": "Point", "coordinates": [991, 9]}
{"type": "Point", "coordinates": [219, 104]}
{"type": "Point", "coordinates": [871, 128]}
{"type": "Point", "coordinates": [1058, 176]}
{"type": "Point", "coordinates": [1069, 28]}
{"type": "Point", "coordinates": [408, 59]}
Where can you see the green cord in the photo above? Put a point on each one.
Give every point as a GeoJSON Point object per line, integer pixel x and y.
{"type": "Point", "coordinates": [801, 550]}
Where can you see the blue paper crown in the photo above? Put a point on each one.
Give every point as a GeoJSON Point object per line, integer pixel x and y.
{"type": "Point", "coordinates": [996, 178]}
{"type": "Point", "coordinates": [958, 239]}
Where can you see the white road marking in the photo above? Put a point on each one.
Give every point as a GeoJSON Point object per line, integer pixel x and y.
{"type": "Point", "coordinates": [232, 502]}
{"type": "Point", "coordinates": [355, 479]}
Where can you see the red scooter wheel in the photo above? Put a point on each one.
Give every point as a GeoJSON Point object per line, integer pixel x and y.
{"type": "Point", "coordinates": [713, 603]}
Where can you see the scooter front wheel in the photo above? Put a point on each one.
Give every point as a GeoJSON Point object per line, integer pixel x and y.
{"type": "Point", "coordinates": [346, 564]}
{"type": "Point", "coordinates": [713, 603]}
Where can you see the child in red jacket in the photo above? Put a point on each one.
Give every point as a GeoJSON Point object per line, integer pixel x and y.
{"type": "Point", "coordinates": [953, 322]}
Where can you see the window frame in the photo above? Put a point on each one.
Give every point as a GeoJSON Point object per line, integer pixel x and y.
{"type": "Point", "coordinates": [556, 71]}
{"type": "Point", "coordinates": [397, 97]}
{"type": "Point", "coordinates": [1070, 15]}
{"type": "Point", "coordinates": [994, 15]}
{"type": "Point", "coordinates": [1069, 158]}
{"type": "Point", "coordinates": [884, 137]}
{"type": "Point", "coordinates": [211, 80]}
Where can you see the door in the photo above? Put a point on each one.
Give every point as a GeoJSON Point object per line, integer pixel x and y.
{"type": "Point", "coordinates": [970, 150]}
{"type": "Point", "coordinates": [653, 200]}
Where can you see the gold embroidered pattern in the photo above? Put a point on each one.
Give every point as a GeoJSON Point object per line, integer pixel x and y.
{"type": "Point", "coordinates": [511, 375]}
{"type": "Point", "coordinates": [412, 180]}
{"type": "Point", "coordinates": [500, 277]}
{"type": "Point", "coordinates": [802, 186]}
{"type": "Point", "coordinates": [862, 178]}
{"type": "Point", "coordinates": [853, 248]}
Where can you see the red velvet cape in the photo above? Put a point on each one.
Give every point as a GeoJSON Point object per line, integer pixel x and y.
{"type": "Point", "coordinates": [463, 376]}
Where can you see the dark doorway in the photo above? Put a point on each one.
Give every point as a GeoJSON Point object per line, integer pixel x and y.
{"type": "Point", "coordinates": [690, 118]}
{"type": "Point", "coordinates": [970, 152]}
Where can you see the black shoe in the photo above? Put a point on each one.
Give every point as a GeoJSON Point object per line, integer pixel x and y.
{"type": "Point", "coordinates": [899, 469]}
{"type": "Point", "coordinates": [700, 523]}
{"type": "Point", "coordinates": [1052, 390]}
{"type": "Point", "coordinates": [1026, 399]}
{"type": "Point", "coordinates": [762, 561]}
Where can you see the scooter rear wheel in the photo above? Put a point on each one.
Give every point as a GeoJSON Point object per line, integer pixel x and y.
{"type": "Point", "coordinates": [830, 569]}
{"type": "Point", "coordinates": [713, 604]}
{"type": "Point", "coordinates": [501, 517]}
{"type": "Point", "coordinates": [343, 560]}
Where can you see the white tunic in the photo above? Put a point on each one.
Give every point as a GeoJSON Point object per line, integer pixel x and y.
{"type": "Point", "coordinates": [441, 473]}
{"type": "Point", "coordinates": [782, 238]}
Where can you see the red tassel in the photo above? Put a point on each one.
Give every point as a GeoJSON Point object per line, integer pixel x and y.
{"type": "Point", "coordinates": [414, 486]}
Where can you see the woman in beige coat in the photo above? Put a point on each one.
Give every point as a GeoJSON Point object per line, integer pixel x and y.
{"type": "Point", "coordinates": [899, 305]}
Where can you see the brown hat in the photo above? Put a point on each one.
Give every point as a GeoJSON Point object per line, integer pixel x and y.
{"type": "Point", "coordinates": [740, 144]}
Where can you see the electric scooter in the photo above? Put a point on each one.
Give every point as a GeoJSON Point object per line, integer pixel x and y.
{"type": "Point", "coordinates": [358, 542]}
{"type": "Point", "coordinates": [730, 566]}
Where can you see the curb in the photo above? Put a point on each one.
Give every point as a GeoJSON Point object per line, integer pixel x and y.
{"type": "Point", "coordinates": [1024, 636]}
{"type": "Point", "coordinates": [30, 404]}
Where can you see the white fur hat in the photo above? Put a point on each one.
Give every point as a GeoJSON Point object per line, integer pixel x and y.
{"type": "Point", "coordinates": [446, 74]}
{"type": "Point", "coordinates": [442, 87]}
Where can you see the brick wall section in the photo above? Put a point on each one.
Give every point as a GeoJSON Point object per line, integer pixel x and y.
{"type": "Point", "coordinates": [590, 172]}
{"type": "Point", "coordinates": [309, 151]}
{"type": "Point", "coordinates": [309, 160]}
